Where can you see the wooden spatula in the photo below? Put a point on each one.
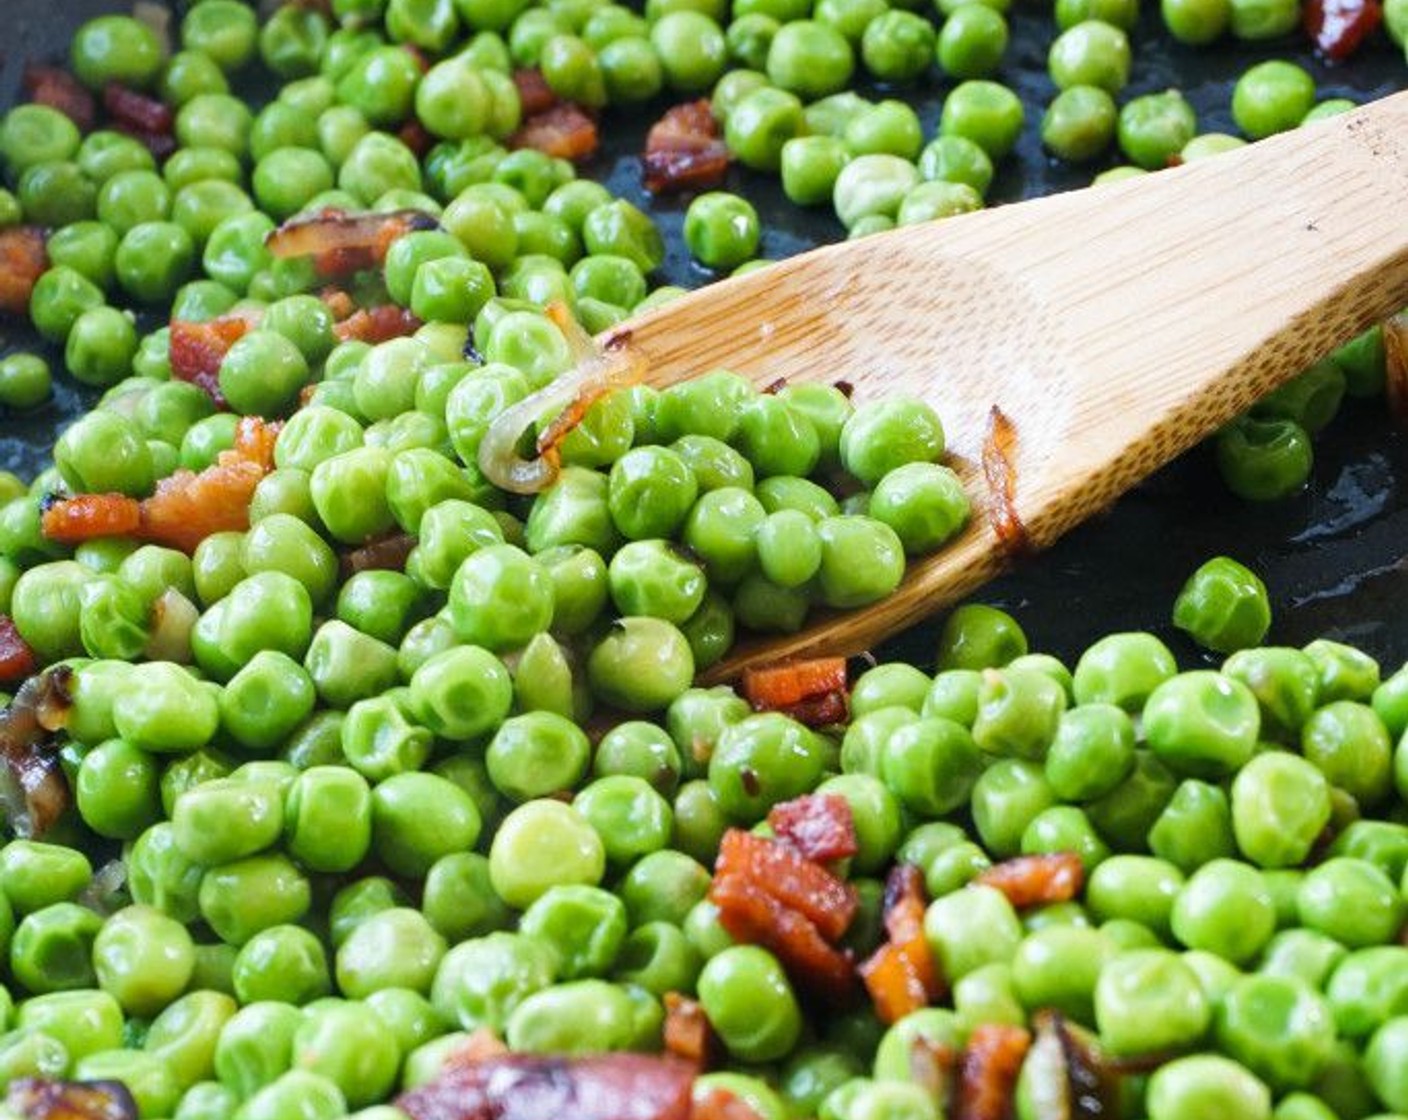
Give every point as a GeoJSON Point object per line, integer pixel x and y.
{"type": "Point", "coordinates": [1106, 330]}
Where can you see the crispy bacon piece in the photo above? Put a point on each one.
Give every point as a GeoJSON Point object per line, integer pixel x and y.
{"type": "Point", "coordinates": [753, 915]}
{"type": "Point", "coordinates": [793, 880]}
{"type": "Point", "coordinates": [58, 89]}
{"type": "Point", "coordinates": [999, 445]}
{"type": "Point", "coordinates": [137, 113]}
{"type": "Point", "coordinates": [1339, 27]}
{"type": "Point", "coordinates": [987, 1078]}
{"type": "Point", "coordinates": [1037, 880]}
{"type": "Point", "coordinates": [17, 660]}
{"type": "Point", "coordinates": [482, 1044]}
{"type": "Point", "coordinates": [895, 987]}
{"type": "Point", "coordinates": [563, 131]}
{"type": "Point", "coordinates": [33, 791]}
{"type": "Point", "coordinates": [344, 243]}
{"type": "Point", "coordinates": [197, 349]}
{"type": "Point", "coordinates": [688, 1034]}
{"type": "Point", "coordinates": [717, 1103]}
{"type": "Point", "coordinates": [85, 517]}
{"type": "Point", "coordinates": [819, 825]}
{"type": "Point", "coordinates": [255, 438]}
{"type": "Point", "coordinates": [377, 324]}
{"type": "Point", "coordinates": [338, 302]}
{"type": "Point", "coordinates": [902, 975]}
{"type": "Point", "coordinates": [23, 259]}
{"type": "Point", "coordinates": [186, 508]}
{"type": "Point", "coordinates": [534, 93]}
{"type": "Point", "coordinates": [36, 1098]}
{"type": "Point", "coordinates": [684, 150]}
{"type": "Point", "coordinates": [386, 553]}
{"type": "Point", "coordinates": [1396, 360]}
{"type": "Point", "coordinates": [533, 1087]}
{"type": "Point", "coordinates": [812, 692]}
{"type": "Point", "coordinates": [189, 507]}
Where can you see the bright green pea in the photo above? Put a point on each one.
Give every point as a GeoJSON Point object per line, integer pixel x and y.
{"type": "Point", "coordinates": [1278, 1028]}
{"type": "Point", "coordinates": [1225, 908]}
{"type": "Point", "coordinates": [351, 1048]}
{"type": "Point", "coordinates": [970, 928]}
{"type": "Point", "coordinates": [1090, 53]}
{"type": "Point", "coordinates": [185, 1033]}
{"type": "Point", "coordinates": [541, 844]}
{"type": "Point", "coordinates": [143, 959]}
{"type": "Point", "coordinates": [52, 948]}
{"type": "Point", "coordinates": [1195, 827]}
{"type": "Point", "coordinates": [1150, 1000]}
{"type": "Point", "coordinates": [1202, 723]}
{"type": "Point", "coordinates": [395, 948]}
{"type": "Point", "coordinates": [749, 1001]}
{"type": "Point", "coordinates": [1349, 744]}
{"type": "Point", "coordinates": [1280, 805]}
{"type": "Point", "coordinates": [1352, 901]}
{"type": "Point", "coordinates": [480, 982]}
{"type": "Point", "coordinates": [165, 709]}
{"type": "Point", "coordinates": [584, 925]}
{"type": "Point", "coordinates": [241, 898]}
{"type": "Point", "coordinates": [117, 790]}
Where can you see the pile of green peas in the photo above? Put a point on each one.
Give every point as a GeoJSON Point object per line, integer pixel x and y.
{"type": "Point", "coordinates": [337, 803]}
{"type": "Point", "coordinates": [321, 904]}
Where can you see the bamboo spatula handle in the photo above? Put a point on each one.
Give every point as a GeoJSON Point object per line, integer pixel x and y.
{"type": "Point", "coordinates": [1113, 327]}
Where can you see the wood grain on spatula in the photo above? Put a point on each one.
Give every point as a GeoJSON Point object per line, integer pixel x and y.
{"type": "Point", "coordinates": [1112, 328]}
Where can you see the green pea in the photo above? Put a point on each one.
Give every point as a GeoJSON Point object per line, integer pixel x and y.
{"type": "Point", "coordinates": [1352, 901]}
{"type": "Point", "coordinates": [1090, 53]}
{"type": "Point", "coordinates": [640, 665]}
{"type": "Point", "coordinates": [1196, 826]}
{"type": "Point", "coordinates": [970, 928]}
{"type": "Point", "coordinates": [417, 818]}
{"type": "Point", "coordinates": [481, 981]}
{"type": "Point", "coordinates": [1150, 1000]}
{"type": "Point", "coordinates": [541, 844]}
{"type": "Point", "coordinates": [117, 790]}
{"type": "Point", "coordinates": [1280, 805]}
{"type": "Point", "coordinates": [1262, 460]}
{"type": "Point", "coordinates": [153, 259]}
{"type": "Point", "coordinates": [1272, 97]}
{"type": "Point", "coordinates": [1278, 1028]}
{"type": "Point", "coordinates": [82, 1022]}
{"type": "Point", "coordinates": [241, 898]}
{"type": "Point", "coordinates": [395, 948]}
{"type": "Point", "coordinates": [1348, 743]}
{"type": "Point", "coordinates": [931, 765]}
{"type": "Point", "coordinates": [34, 874]}
{"type": "Point", "coordinates": [166, 710]}
{"type": "Point", "coordinates": [161, 875]}
{"type": "Point", "coordinates": [1202, 723]}
{"type": "Point", "coordinates": [1006, 798]}
{"type": "Point", "coordinates": [184, 1035]}
{"type": "Point", "coordinates": [1226, 909]}
{"type": "Point", "coordinates": [750, 1003]}
{"type": "Point", "coordinates": [52, 948]}
{"type": "Point", "coordinates": [1223, 606]}
{"type": "Point", "coordinates": [143, 959]}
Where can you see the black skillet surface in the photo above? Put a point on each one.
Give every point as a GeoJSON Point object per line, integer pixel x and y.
{"type": "Point", "coordinates": [1335, 558]}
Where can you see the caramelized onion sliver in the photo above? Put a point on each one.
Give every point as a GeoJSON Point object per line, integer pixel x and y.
{"type": "Point", "coordinates": [598, 371]}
